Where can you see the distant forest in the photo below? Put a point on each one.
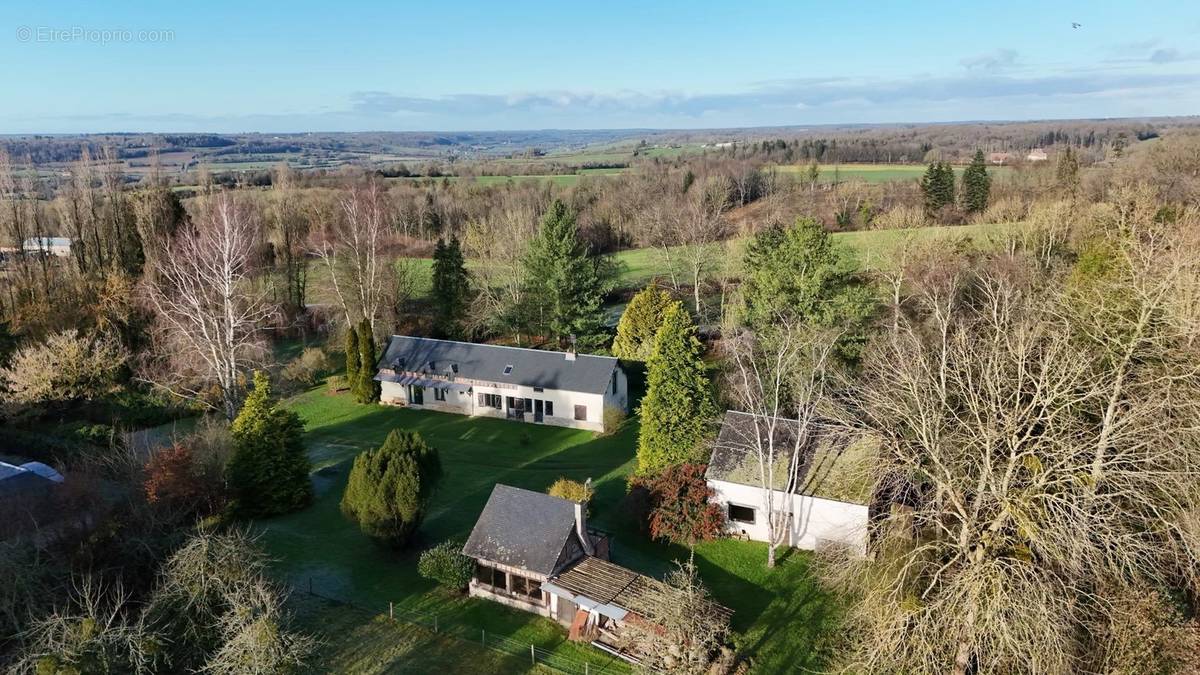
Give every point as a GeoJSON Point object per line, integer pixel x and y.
{"type": "Point", "coordinates": [858, 143]}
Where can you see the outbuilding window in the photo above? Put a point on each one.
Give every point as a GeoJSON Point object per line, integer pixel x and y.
{"type": "Point", "coordinates": [581, 412]}
{"type": "Point", "coordinates": [741, 514]}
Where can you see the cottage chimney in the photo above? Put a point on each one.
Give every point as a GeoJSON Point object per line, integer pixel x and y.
{"type": "Point", "coordinates": [581, 528]}
{"type": "Point", "coordinates": [571, 349]}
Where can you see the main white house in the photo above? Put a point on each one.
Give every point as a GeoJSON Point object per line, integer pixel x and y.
{"type": "Point", "coordinates": [530, 385]}
{"type": "Point", "coordinates": [826, 502]}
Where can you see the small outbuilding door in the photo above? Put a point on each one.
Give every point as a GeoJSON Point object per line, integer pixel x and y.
{"type": "Point", "coordinates": [538, 410]}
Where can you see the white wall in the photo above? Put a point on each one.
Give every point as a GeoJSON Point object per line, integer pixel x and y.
{"type": "Point", "coordinates": [564, 403]}
{"type": "Point", "coordinates": [814, 520]}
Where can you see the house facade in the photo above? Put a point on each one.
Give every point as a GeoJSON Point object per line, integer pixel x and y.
{"type": "Point", "coordinates": [817, 510]}
{"type": "Point", "coordinates": [528, 385]}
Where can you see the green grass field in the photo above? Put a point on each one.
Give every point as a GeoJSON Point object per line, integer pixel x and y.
{"type": "Point", "coordinates": [639, 266]}
{"type": "Point", "coordinates": [870, 248]}
{"type": "Point", "coordinates": [778, 613]}
{"type": "Point", "coordinates": [874, 173]}
{"type": "Point", "coordinates": [354, 641]}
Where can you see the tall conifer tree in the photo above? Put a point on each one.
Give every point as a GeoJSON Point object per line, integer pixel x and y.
{"type": "Point", "coordinates": [976, 184]}
{"type": "Point", "coordinates": [678, 407]}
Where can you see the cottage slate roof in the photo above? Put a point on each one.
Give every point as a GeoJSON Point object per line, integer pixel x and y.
{"type": "Point", "coordinates": [587, 373]}
{"type": "Point", "coordinates": [525, 529]}
{"type": "Point", "coordinates": [830, 463]}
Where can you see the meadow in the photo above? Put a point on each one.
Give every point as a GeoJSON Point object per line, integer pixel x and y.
{"type": "Point", "coordinates": [874, 173]}
{"type": "Point", "coordinates": [870, 248]}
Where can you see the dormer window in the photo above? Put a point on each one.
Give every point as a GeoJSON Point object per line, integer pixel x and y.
{"type": "Point", "coordinates": [508, 369]}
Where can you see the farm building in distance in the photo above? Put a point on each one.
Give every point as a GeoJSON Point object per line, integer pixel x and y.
{"type": "Point", "coordinates": [826, 505]}
{"type": "Point", "coordinates": [1037, 155]}
{"type": "Point", "coordinates": [56, 246]}
{"type": "Point", "coordinates": [530, 385]}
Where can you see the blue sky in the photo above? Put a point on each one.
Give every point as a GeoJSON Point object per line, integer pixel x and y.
{"type": "Point", "coordinates": [350, 66]}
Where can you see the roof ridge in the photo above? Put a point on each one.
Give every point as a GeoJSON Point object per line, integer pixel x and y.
{"type": "Point", "coordinates": [484, 344]}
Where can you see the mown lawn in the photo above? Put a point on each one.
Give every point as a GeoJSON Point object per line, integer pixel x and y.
{"type": "Point", "coordinates": [352, 641]}
{"type": "Point", "coordinates": [778, 613]}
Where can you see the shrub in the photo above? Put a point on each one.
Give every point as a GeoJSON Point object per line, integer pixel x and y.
{"type": "Point", "coordinates": [566, 488]}
{"type": "Point", "coordinates": [614, 417]}
{"type": "Point", "coordinates": [67, 366]}
{"type": "Point", "coordinates": [899, 217]}
{"type": "Point", "coordinates": [1006, 210]}
{"type": "Point", "coordinates": [308, 368]}
{"type": "Point", "coordinates": [176, 479]}
{"type": "Point", "coordinates": [446, 565]}
{"type": "Point", "coordinates": [680, 510]}
{"type": "Point", "coordinates": [390, 486]}
{"type": "Point", "coordinates": [338, 383]}
{"type": "Point", "coordinates": [100, 435]}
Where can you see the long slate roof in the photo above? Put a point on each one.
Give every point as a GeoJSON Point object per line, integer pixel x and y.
{"type": "Point", "coordinates": [521, 528]}
{"type": "Point", "coordinates": [587, 373]}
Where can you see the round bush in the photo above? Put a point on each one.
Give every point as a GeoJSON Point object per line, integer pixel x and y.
{"type": "Point", "coordinates": [446, 565]}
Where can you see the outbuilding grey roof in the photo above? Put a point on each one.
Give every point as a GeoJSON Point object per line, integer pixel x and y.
{"type": "Point", "coordinates": [33, 477]}
{"type": "Point", "coordinates": [830, 460]}
{"type": "Point", "coordinates": [522, 528]}
{"type": "Point", "coordinates": [585, 373]}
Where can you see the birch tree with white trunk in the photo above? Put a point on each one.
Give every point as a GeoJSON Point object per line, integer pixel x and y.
{"type": "Point", "coordinates": [208, 314]}
{"type": "Point", "coordinates": [780, 381]}
{"type": "Point", "coordinates": [352, 248]}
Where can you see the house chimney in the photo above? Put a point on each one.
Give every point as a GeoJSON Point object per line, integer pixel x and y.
{"type": "Point", "coordinates": [581, 528]}
{"type": "Point", "coordinates": [571, 349]}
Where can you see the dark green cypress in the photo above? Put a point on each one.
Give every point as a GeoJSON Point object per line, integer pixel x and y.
{"type": "Point", "coordinates": [367, 389]}
{"type": "Point", "coordinates": [976, 185]}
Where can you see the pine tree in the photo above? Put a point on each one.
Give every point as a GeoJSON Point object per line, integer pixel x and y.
{"type": "Point", "coordinates": [976, 184]}
{"type": "Point", "coordinates": [366, 390]}
{"type": "Point", "coordinates": [389, 487]}
{"type": "Point", "coordinates": [800, 273]}
{"type": "Point", "coordinates": [352, 357]}
{"type": "Point", "coordinates": [566, 282]}
{"type": "Point", "coordinates": [640, 323]}
{"type": "Point", "coordinates": [451, 288]}
{"type": "Point", "coordinates": [268, 470]}
{"type": "Point", "coordinates": [937, 187]}
{"type": "Point", "coordinates": [679, 406]}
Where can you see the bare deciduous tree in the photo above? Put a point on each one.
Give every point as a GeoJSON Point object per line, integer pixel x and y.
{"type": "Point", "coordinates": [678, 627]}
{"type": "Point", "coordinates": [208, 315]}
{"type": "Point", "coordinates": [501, 241]}
{"type": "Point", "coordinates": [779, 380]}
{"type": "Point", "coordinates": [352, 249]}
{"type": "Point", "coordinates": [1038, 446]}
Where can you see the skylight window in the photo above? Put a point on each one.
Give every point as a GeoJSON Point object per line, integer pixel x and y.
{"type": "Point", "coordinates": [508, 369]}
